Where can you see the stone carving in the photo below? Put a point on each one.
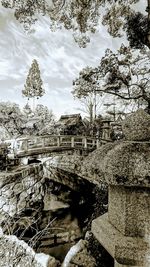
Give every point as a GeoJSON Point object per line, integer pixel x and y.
{"type": "Point", "coordinates": [128, 164]}
{"type": "Point", "coordinates": [137, 126]}
{"type": "Point", "coordinates": [125, 230]}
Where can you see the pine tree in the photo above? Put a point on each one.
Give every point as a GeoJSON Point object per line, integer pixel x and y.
{"type": "Point", "coordinates": [33, 87]}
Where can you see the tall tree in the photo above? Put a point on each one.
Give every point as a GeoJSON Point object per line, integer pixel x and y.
{"type": "Point", "coordinates": [124, 74]}
{"type": "Point", "coordinates": [33, 87]}
{"type": "Point", "coordinates": [84, 17]}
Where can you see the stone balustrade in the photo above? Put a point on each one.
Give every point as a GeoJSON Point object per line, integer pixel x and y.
{"type": "Point", "coordinates": [125, 230]}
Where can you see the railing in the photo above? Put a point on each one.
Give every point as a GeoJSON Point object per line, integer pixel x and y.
{"type": "Point", "coordinates": [27, 144]}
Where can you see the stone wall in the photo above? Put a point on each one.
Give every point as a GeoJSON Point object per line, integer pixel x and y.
{"type": "Point", "coordinates": [19, 189]}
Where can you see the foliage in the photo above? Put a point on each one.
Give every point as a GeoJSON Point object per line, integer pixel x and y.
{"type": "Point", "coordinates": [39, 121]}
{"type": "Point", "coordinates": [11, 119]}
{"type": "Point", "coordinates": [124, 74]}
{"type": "Point", "coordinates": [44, 113]}
{"type": "Point", "coordinates": [84, 16]}
{"type": "Point", "coordinates": [33, 87]}
{"type": "Point", "coordinates": [3, 155]}
{"type": "Point", "coordinates": [137, 30]}
{"type": "Point", "coordinates": [27, 110]}
{"type": "Point", "coordinates": [86, 84]}
{"type": "Point", "coordinates": [15, 122]}
{"type": "Point", "coordinates": [45, 119]}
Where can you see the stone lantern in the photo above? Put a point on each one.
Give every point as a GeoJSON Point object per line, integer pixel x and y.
{"type": "Point", "coordinates": [106, 129]}
{"type": "Point", "coordinates": [125, 230]}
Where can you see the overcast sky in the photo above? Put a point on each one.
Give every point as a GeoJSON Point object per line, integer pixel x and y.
{"type": "Point", "coordinates": [59, 57]}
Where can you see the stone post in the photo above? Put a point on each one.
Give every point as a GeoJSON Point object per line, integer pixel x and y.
{"type": "Point", "coordinates": [85, 143]}
{"type": "Point", "coordinates": [125, 230]}
{"type": "Point", "coordinates": [43, 141]}
{"type": "Point", "coordinates": [58, 141]}
{"type": "Point", "coordinates": [106, 129]}
{"type": "Point", "coordinates": [72, 141]}
{"type": "Point", "coordinates": [97, 143]}
{"type": "Point", "coordinates": [25, 145]}
{"type": "Point", "coordinates": [93, 143]}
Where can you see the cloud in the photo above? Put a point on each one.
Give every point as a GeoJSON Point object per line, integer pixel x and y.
{"type": "Point", "coordinates": [59, 57]}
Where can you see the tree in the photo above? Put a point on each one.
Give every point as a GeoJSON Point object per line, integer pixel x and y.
{"type": "Point", "coordinates": [45, 119]}
{"type": "Point", "coordinates": [44, 113]}
{"type": "Point", "coordinates": [84, 16]}
{"type": "Point", "coordinates": [124, 74]}
{"type": "Point", "coordinates": [33, 87]}
{"type": "Point", "coordinates": [39, 122]}
{"type": "Point", "coordinates": [27, 110]}
{"type": "Point", "coordinates": [90, 106]}
{"type": "Point", "coordinates": [11, 119]}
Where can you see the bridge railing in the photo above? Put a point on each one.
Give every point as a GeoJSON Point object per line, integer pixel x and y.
{"type": "Point", "coordinates": [39, 142]}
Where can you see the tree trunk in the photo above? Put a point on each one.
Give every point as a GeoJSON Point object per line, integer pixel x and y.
{"type": "Point", "coordinates": [33, 105]}
{"type": "Point", "coordinates": [95, 105]}
{"type": "Point", "coordinates": [91, 113]}
{"type": "Point", "coordinates": [148, 9]}
{"type": "Point", "coordinates": [147, 109]}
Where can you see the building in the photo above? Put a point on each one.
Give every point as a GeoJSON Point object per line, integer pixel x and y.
{"type": "Point", "coordinates": [70, 124]}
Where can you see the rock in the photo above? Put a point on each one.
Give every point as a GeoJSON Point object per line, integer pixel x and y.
{"type": "Point", "coordinates": [52, 203]}
{"type": "Point", "coordinates": [46, 260]}
{"type": "Point", "coordinates": [92, 165]}
{"type": "Point", "coordinates": [82, 258]}
{"type": "Point", "coordinates": [14, 252]}
{"type": "Point", "coordinates": [52, 262]}
{"type": "Point", "coordinates": [136, 127]}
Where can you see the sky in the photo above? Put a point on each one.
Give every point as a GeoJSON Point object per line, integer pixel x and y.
{"type": "Point", "coordinates": [60, 60]}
